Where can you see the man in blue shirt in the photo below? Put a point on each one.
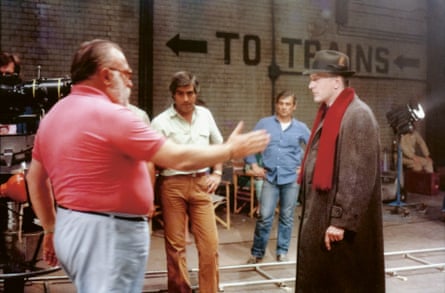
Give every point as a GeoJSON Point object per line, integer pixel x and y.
{"type": "Point", "coordinates": [281, 164]}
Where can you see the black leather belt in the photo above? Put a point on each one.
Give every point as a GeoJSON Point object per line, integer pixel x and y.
{"type": "Point", "coordinates": [194, 174]}
{"type": "Point", "coordinates": [132, 219]}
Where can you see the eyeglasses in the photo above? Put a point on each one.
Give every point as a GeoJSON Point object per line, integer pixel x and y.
{"type": "Point", "coordinates": [125, 73]}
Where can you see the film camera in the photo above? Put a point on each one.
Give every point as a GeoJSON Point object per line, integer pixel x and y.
{"type": "Point", "coordinates": [34, 97]}
{"type": "Point", "coordinates": [22, 104]}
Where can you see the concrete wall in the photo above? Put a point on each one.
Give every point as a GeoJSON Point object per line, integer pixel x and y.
{"type": "Point", "coordinates": [243, 52]}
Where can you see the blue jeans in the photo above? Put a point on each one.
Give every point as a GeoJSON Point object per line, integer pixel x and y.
{"type": "Point", "coordinates": [287, 195]}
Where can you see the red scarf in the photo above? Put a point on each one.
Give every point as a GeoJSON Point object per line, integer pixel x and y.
{"type": "Point", "coordinates": [324, 164]}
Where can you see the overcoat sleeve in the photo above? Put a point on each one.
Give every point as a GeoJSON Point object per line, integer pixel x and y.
{"type": "Point", "coordinates": [357, 163]}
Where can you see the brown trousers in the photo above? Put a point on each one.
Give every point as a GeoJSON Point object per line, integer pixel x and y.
{"type": "Point", "coordinates": [182, 198]}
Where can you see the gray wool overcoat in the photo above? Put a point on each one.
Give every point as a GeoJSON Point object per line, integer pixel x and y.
{"type": "Point", "coordinates": [355, 264]}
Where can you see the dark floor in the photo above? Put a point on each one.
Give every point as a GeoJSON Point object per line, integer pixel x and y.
{"type": "Point", "coordinates": [416, 230]}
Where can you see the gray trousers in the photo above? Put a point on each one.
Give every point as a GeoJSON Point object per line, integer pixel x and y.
{"type": "Point", "coordinates": [101, 254]}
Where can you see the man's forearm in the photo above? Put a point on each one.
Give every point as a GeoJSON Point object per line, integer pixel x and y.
{"type": "Point", "coordinates": [41, 197]}
{"type": "Point", "coordinates": [43, 205]}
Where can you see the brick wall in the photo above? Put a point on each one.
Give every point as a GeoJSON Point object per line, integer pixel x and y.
{"type": "Point", "coordinates": [47, 33]}
{"type": "Point", "coordinates": [243, 39]}
{"type": "Point", "coordinates": [237, 86]}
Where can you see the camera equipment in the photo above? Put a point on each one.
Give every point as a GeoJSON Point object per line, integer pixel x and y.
{"type": "Point", "coordinates": [7, 78]}
{"type": "Point", "coordinates": [19, 101]}
{"type": "Point", "coordinates": [22, 105]}
{"type": "Point", "coordinates": [15, 188]}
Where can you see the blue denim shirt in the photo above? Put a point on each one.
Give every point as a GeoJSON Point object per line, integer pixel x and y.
{"type": "Point", "coordinates": [283, 155]}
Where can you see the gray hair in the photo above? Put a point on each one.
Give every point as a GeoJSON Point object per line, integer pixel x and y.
{"type": "Point", "coordinates": [89, 57]}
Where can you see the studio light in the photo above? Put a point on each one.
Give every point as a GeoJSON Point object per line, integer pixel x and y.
{"type": "Point", "coordinates": [401, 119]}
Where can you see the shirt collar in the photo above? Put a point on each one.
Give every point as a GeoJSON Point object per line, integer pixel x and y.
{"type": "Point", "coordinates": [173, 113]}
{"type": "Point", "coordinates": [80, 89]}
{"type": "Point", "coordinates": [278, 121]}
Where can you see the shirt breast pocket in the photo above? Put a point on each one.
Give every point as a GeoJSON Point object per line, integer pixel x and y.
{"type": "Point", "coordinates": [290, 141]}
{"type": "Point", "coordinates": [203, 136]}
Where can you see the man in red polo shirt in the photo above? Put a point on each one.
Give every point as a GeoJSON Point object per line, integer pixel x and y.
{"type": "Point", "coordinates": [90, 156]}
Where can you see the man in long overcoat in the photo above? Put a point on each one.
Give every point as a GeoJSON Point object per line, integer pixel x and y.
{"type": "Point", "coordinates": [340, 244]}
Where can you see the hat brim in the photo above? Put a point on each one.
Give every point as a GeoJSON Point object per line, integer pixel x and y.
{"type": "Point", "coordinates": [342, 73]}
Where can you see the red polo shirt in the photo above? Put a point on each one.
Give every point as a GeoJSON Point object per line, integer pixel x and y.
{"type": "Point", "coordinates": [94, 151]}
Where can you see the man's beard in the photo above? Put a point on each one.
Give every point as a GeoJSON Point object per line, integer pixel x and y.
{"type": "Point", "coordinates": [121, 93]}
{"type": "Point", "coordinates": [125, 95]}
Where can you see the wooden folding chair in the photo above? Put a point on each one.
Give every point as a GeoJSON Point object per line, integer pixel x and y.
{"type": "Point", "coordinates": [243, 189]}
{"type": "Point", "coordinates": [222, 198]}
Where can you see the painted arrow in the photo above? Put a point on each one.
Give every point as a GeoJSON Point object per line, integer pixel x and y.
{"type": "Point", "coordinates": [177, 45]}
{"type": "Point", "coordinates": [402, 62]}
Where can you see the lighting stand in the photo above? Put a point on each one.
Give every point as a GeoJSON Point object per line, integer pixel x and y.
{"type": "Point", "coordinates": [398, 202]}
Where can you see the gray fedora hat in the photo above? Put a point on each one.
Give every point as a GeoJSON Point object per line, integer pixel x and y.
{"type": "Point", "coordinates": [330, 61]}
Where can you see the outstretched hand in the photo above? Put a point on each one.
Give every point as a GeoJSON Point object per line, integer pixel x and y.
{"type": "Point", "coordinates": [245, 144]}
